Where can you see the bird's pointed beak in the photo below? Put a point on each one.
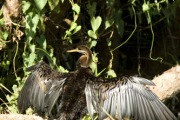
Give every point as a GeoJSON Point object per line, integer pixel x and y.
{"type": "Point", "coordinates": [73, 50]}
{"type": "Point", "coordinates": [76, 50]}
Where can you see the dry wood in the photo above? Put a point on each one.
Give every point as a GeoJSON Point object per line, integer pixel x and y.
{"type": "Point", "coordinates": [167, 84]}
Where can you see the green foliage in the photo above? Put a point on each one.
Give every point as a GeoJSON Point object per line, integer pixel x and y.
{"type": "Point", "coordinates": [11, 105]}
{"type": "Point", "coordinates": [40, 4]}
{"type": "Point", "coordinates": [53, 3]}
{"type": "Point", "coordinates": [76, 8]}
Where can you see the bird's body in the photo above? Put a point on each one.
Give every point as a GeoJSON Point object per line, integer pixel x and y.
{"type": "Point", "coordinates": [66, 91]}
{"type": "Point", "coordinates": [65, 96]}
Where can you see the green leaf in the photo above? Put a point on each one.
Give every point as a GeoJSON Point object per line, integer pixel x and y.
{"type": "Point", "coordinates": [109, 43]}
{"type": "Point", "coordinates": [1, 22]}
{"type": "Point", "coordinates": [51, 52]}
{"type": "Point", "coordinates": [111, 73]}
{"type": "Point", "coordinates": [91, 9]}
{"type": "Point", "coordinates": [14, 88]}
{"type": "Point", "coordinates": [31, 25]}
{"type": "Point", "coordinates": [62, 69]}
{"type": "Point", "coordinates": [5, 64]}
{"type": "Point", "coordinates": [131, 13]}
{"type": "Point", "coordinates": [120, 26]}
{"type": "Point", "coordinates": [42, 41]}
{"type": "Point", "coordinates": [31, 59]}
{"type": "Point", "coordinates": [8, 98]}
{"type": "Point", "coordinates": [32, 48]}
{"type": "Point", "coordinates": [25, 6]}
{"type": "Point", "coordinates": [0, 12]}
{"type": "Point", "coordinates": [92, 43]}
{"type": "Point", "coordinates": [77, 29]}
{"type": "Point", "coordinates": [119, 23]}
{"type": "Point", "coordinates": [68, 32]}
{"type": "Point", "coordinates": [76, 8]}
{"type": "Point", "coordinates": [4, 35]}
{"type": "Point", "coordinates": [109, 23]}
{"type": "Point", "coordinates": [73, 26]}
{"type": "Point", "coordinates": [53, 3]}
{"type": "Point", "coordinates": [40, 4]}
{"type": "Point", "coordinates": [53, 60]}
{"type": "Point", "coordinates": [62, 1]}
{"type": "Point", "coordinates": [145, 7]}
{"type": "Point", "coordinates": [41, 24]}
{"type": "Point", "coordinates": [95, 23]}
{"type": "Point", "coordinates": [93, 67]}
{"type": "Point", "coordinates": [92, 34]}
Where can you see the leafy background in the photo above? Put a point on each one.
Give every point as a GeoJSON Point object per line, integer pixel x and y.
{"type": "Point", "coordinates": [126, 37]}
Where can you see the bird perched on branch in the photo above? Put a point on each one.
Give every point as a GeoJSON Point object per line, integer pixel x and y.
{"type": "Point", "coordinates": [66, 95]}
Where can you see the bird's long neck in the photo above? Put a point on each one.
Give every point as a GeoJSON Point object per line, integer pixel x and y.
{"type": "Point", "coordinates": [85, 60]}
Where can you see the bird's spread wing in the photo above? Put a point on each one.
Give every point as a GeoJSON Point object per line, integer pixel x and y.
{"type": "Point", "coordinates": [41, 89]}
{"type": "Point", "coordinates": [126, 97]}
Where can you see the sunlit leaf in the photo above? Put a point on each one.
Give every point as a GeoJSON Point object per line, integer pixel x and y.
{"type": "Point", "coordinates": [93, 67]}
{"type": "Point", "coordinates": [32, 48]}
{"type": "Point", "coordinates": [1, 12]}
{"type": "Point", "coordinates": [62, 69]}
{"type": "Point", "coordinates": [5, 64]}
{"type": "Point", "coordinates": [31, 58]}
{"type": "Point", "coordinates": [4, 35]}
{"type": "Point", "coordinates": [14, 87]}
{"type": "Point", "coordinates": [31, 25]}
{"type": "Point", "coordinates": [93, 43]}
{"type": "Point", "coordinates": [145, 7]}
{"type": "Point", "coordinates": [53, 60]}
{"type": "Point", "coordinates": [95, 23]}
{"type": "Point", "coordinates": [109, 42]}
{"type": "Point", "coordinates": [8, 98]}
{"type": "Point", "coordinates": [77, 29]}
{"type": "Point", "coordinates": [76, 8]}
{"type": "Point", "coordinates": [108, 23]}
{"type": "Point", "coordinates": [1, 22]}
{"type": "Point", "coordinates": [40, 4]}
{"type": "Point", "coordinates": [25, 6]}
{"type": "Point", "coordinates": [53, 3]}
{"type": "Point", "coordinates": [92, 34]}
{"type": "Point", "coordinates": [111, 73]}
{"type": "Point", "coordinates": [73, 26]}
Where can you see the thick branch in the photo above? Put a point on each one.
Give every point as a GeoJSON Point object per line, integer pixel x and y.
{"type": "Point", "coordinates": [167, 84]}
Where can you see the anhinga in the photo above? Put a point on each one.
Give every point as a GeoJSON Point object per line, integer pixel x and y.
{"type": "Point", "coordinates": [66, 95]}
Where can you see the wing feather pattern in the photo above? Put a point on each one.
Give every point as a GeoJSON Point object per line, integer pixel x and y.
{"type": "Point", "coordinates": [41, 89]}
{"type": "Point", "coordinates": [125, 98]}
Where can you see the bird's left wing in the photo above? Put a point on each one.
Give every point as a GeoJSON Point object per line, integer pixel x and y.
{"type": "Point", "coordinates": [125, 98]}
{"type": "Point", "coordinates": [41, 89]}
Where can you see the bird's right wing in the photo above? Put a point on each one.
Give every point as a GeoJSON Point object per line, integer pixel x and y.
{"type": "Point", "coordinates": [126, 97]}
{"type": "Point", "coordinates": [41, 89]}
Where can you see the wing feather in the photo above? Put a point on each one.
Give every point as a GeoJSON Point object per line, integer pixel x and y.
{"type": "Point", "coordinates": [41, 89]}
{"type": "Point", "coordinates": [125, 98]}
{"type": "Point", "coordinates": [53, 94]}
{"type": "Point", "coordinates": [89, 100]}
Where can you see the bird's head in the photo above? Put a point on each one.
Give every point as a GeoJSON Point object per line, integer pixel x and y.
{"type": "Point", "coordinates": [86, 57]}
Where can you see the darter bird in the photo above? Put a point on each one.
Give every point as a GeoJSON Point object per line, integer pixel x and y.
{"type": "Point", "coordinates": [69, 96]}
